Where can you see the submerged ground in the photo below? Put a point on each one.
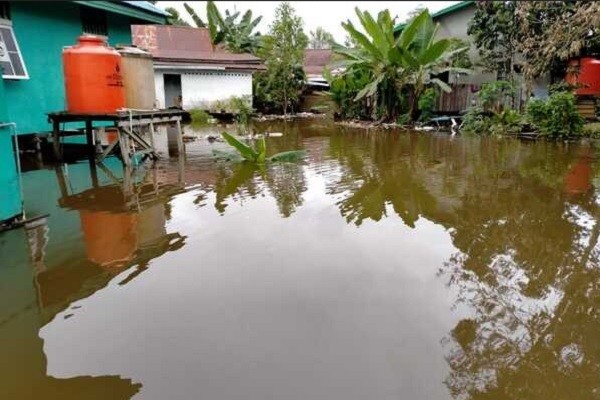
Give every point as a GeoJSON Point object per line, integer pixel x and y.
{"type": "Point", "coordinates": [388, 265]}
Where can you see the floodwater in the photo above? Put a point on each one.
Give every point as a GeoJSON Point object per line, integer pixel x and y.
{"type": "Point", "coordinates": [387, 265]}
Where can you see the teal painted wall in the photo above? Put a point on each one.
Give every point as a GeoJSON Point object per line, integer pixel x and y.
{"type": "Point", "coordinates": [42, 30]}
{"type": "Point", "coordinates": [11, 203]}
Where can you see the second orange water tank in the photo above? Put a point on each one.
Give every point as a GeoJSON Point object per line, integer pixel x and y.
{"type": "Point", "coordinates": [585, 72]}
{"type": "Point", "coordinates": [93, 77]}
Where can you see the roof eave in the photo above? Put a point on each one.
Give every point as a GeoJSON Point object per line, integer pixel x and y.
{"type": "Point", "coordinates": [125, 9]}
{"type": "Point", "coordinates": [448, 10]}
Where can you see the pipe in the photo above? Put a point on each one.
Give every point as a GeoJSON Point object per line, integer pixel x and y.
{"type": "Point", "coordinates": [18, 157]}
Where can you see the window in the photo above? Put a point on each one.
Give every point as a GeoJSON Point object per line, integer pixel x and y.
{"type": "Point", "coordinates": [93, 21]}
{"type": "Point", "coordinates": [11, 59]}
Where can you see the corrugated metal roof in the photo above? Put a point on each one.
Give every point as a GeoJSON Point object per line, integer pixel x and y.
{"type": "Point", "coordinates": [145, 5]}
{"type": "Point", "coordinates": [315, 60]}
{"type": "Point", "coordinates": [188, 44]}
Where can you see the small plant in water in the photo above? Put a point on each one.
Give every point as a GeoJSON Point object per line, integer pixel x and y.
{"type": "Point", "coordinates": [256, 155]}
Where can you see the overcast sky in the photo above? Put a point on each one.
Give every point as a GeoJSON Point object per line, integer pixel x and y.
{"type": "Point", "coordinates": [327, 14]}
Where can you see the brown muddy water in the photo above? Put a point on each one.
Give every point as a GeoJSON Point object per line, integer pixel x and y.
{"type": "Point", "coordinates": [387, 265]}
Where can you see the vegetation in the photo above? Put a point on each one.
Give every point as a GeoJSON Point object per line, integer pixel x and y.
{"type": "Point", "coordinates": [278, 88]}
{"type": "Point", "coordinates": [427, 104]}
{"type": "Point", "coordinates": [557, 116]}
{"type": "Point", "coordinates": [320, 39]}
{"type": "Point", "coordinates": [490, 114]}
{"type": "Point", "coordinates": [199, 117]}
{"type": "Point", "coordinates": [257, 154]}
{"type": "Point", "coordinates": [534, 30]}
{"type": "Point", "coordinates": [238, 37]}
{"type": "Point", "coordinates": [174, 17]}
{"type": "Point", "coordinates": [495, 33]}
{"type": "Point", "coordinates": [396, 68]}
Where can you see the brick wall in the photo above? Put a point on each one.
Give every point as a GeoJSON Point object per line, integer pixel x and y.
{"type": "Point", "coordinates": [144, 37]}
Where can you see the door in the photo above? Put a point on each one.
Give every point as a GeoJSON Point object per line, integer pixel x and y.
{"type": "Point", "coordinates": [173, 90]}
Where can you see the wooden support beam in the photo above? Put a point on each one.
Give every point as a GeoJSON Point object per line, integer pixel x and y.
{"type": "Point", "coordinates": [107, 151]}
{"type": "Point", "coordinates": [89, 137]}
{"type": "Point", "coordinates": [179, 139]}
{"type": "Point", "coordinates": [56, 140]}
{"type": "Point", "coordinates": [124, 145]}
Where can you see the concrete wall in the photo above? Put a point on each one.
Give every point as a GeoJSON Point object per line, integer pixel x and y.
{"type": "Point", "coordinates": [200, 88]}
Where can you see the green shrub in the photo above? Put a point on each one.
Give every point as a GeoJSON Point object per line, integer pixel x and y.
{"type": "Point", "coordinates": [557, 116]}
{"type": "Point", "coordinates": [199, 117]}
{"type": "Point", "coordinates": [427, 103]}
{"type": "Point", "coordinates": [242, 109]}
{"type": "Point", "coordinates": [476, 121]}
{"type": "Point", "coordinates": [493, 96]}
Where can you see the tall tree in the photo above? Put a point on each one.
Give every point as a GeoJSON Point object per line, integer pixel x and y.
{"type": "Point", "coordinates": [552, 32]}
{"type": "Point", "coordinates": [320, 39]}
{"type": "Point", "coordinates": [495, 33]}
{"type": "Point", "coordinates": [283, 53]}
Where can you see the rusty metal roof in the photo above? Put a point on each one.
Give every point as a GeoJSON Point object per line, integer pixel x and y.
{"type": "Point", "coordinates": [315, 60]}
{"type": "Point", "coordinates": [181, 43]}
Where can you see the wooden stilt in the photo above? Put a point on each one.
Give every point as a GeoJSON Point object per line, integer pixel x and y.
{"type": "Point", "coordinates": [180, 149]}
{"type": "Point", "coordinates": [89, 136]}
{"type": "Point", "coordinates": [56, 140]}
{"type": "Point", "coordinates": [124, 145]}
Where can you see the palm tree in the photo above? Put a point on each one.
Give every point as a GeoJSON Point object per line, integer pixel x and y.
{"type": "Point", "coordinates": [406, 65]}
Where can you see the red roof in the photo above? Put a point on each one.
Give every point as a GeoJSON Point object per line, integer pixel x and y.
{"type": "Point", "coordinates": [169, 43]}
{"type": "Point", "coordinates": [315, 60]}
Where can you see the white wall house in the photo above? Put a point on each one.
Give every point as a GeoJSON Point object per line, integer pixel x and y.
{"type": "Point", "coordinates": [189, 72]}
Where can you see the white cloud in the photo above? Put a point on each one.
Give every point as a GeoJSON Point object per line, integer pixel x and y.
{"type": "Point", "coordinates": [327, 14]}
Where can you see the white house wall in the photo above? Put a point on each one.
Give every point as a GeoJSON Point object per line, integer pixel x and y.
{"type": "Point", "coordinates": [159, 85]}
{"type": "Point", "coordinates": [201, 88]}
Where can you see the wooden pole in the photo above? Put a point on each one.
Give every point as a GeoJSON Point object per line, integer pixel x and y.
{"type": "Point", "coordinates": [56, 139]}
{"type": "Point", "coordinates": [89, 135]}
{"type": "Point", "coordinates": [179, 138]}
{"type": "Point", "coordinates": [124, 145]}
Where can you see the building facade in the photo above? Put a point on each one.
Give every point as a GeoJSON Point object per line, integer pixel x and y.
{"type": "Point", "coordinates": [189, 71]}
{"type": "Point", "coordinates": [32, 37]}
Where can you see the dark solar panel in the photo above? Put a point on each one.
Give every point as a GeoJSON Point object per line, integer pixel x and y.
{"type": "Point", "coordinates": [12, 62]}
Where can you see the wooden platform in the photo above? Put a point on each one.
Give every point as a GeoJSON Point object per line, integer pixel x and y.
{"type": "Point", "coordinates": [130, 124]}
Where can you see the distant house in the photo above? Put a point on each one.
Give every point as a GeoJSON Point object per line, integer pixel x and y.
{"type": "Point", "coordinates": [453, 23]}
{"type": "Point", "coordinates": [189, 71]}
{"type": "Point", "coordinates": [32, 37]}
{"type": "Point", "coordinates": [315, 62]}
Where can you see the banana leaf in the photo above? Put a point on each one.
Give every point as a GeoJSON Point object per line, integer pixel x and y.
{"type": "Point", "coordinates": [227, 156]}
{"type": "Point", "coordinates": [261, 148]}
{"type": "Point", "coordinates": [245, 151]}
{"type": "Point", "coordinates": [288, 156]}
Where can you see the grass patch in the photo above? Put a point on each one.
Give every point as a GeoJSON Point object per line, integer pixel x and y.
{"type": "Point", "coordinates": [592, 129]}
{"type": "Point", "coordinates": [199, 117]}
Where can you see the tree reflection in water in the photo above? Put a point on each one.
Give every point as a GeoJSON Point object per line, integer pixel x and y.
{"type": "Point", "coordinates": [526, 222]}
{"type": "Point", "coordinates": [285, 183]}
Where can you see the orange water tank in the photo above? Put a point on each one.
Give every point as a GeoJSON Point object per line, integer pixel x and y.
{"type": "Point", "coordinates": [585, 72]}
{"type": "Point", "coordinates": [93, 78]}
{"type": "Point", "coordinates": [110, 238]}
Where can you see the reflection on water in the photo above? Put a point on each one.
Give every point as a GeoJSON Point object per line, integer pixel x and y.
{"type": "Point", "coordinates": [387, 265]}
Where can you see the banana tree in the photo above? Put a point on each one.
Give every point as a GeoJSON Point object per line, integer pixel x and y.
{"type": "Point", "coordinates": [257, 154]}
{"type": "Point", "coordinates": [408, 63]}
{"type": "Point", "coordinates": [425, 58]}
{"type": "Point", "coordinates": [239, 37]}
{"type": "Point", "coordinates": [377, 55]}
